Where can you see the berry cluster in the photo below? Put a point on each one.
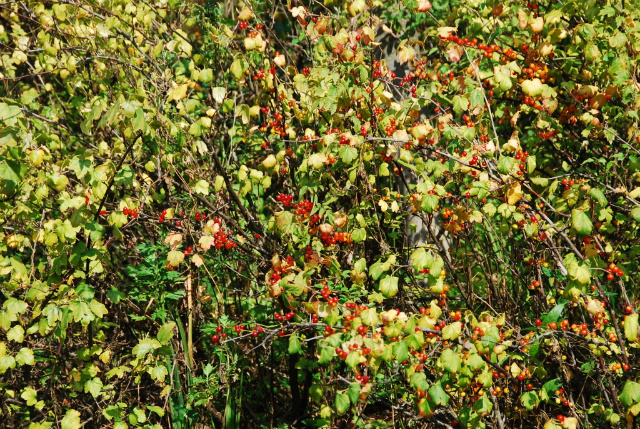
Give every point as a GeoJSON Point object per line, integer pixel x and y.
{"type": "Point", "coordinates": [259, 75]}
{"type": "Point", "coordinates": [130, 212]}
{"type": "Point", "coordinates": [613, 269]}
{"type": "Point", "coordinates": [331, 238]}
{"type": "Point", "coordinates": [384, 157]}
{"type": "Point", "coordinates": [303, 208]}
{"type": "Point", "coordinates": [221, 239]}
{"type": "Point", "coordinates": [309, 254]}
{"type": "Point", "coordinates": [326, 294]}
{"type": "Point", "coordinates": [447, 212]}
{"type": "Point", "coordinates": [280, 267]}
{"type": "Point", "coordinates": [389, 129]}
{"type": "Point", "coordinates": [534, 285]}
{"type": "Point", "coordinates": [162, 216]}
{"type": "Point", "coordinates": [285, 199]}
{"type": "Point", "coordinates": [280, 318]}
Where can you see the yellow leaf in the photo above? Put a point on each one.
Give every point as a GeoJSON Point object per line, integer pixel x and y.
{"type": "Point", "coordinates": [206, 241]}
{"type": "Point", "coordinates": [570, 423]}
{"type": "Point", "coordinates": [514, 194]}
{"type": "Point", "coordinates": [179, 92]}
{"type": "Point", "coordinates": [197, 260]}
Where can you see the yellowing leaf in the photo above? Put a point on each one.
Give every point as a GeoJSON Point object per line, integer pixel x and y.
{"type": "Point", "coordinates": [454, 52]}
{"type": "Point", "coordinates": [570, 422]}
{"type": "Point", "coordinates": [594, 307]}
{"type": "Point", "coordinates": [532, 87]}
{"type": "Point", "coordinates": [356, 7]}
{"type": "Point", "coordinates": [201, 187]}
{"type": "Point", "coordinates": [218, 94]}
{"type": "Point", "coordinates": [206, 241]}
{"type": "Point", "coordinates": [71, 420]}
{"type": "Point", "coordinates": [317, 160]}
{"type": "Point", "coordinates": [405, 53]}
{"type": "Point", "coordinates": [175, 258]}
{"type": "Point", "coordinates": [173, 239]}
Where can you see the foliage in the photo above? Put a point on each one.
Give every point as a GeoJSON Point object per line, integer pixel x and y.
{"type": "Point", "coordinates": [346, 214]}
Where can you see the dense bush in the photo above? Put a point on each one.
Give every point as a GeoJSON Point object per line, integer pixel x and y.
{"type": "Point", "coordinates": [358, 214]}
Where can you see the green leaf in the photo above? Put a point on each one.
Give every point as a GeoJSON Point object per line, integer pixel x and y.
{"type": "Point", "coordinates": [66, 231]}
{"type": "Point", "coordinates": [581, 222]}
{"type": "Point", "coordinates": [530, 400]}
{"type": "Point", "coordinates": [533, 87]}
{"type": "Point", "coordinates": [115, 295]}
{"type": "Point", "coordinates": [554, 315]}
{"type": "Point", "coordinates": [353, 392]}
{"type": "Point", "coordinates": [342, 403]}
{"type": "Point", "coordinates": [635, 213]}
{"type": "Point", "coordinates": [139, 415]}
{"type": "Point", "coordinates": [93, 386]}
{"type": "Point", "coordinates": [7, 362]}
{"type": "Point", "coordinates": [370, 317]}
{"type": "Point", "coordinates": [438, 395]}
{"type": "Point", "coordinates": [452, 331]}
{"type": "Point", "coordinates": [110, 116]}
{"type": "Point", "coordinates": [159, 411]}
{"type": "Point", "coordinates": [389, 286]}
{"type": "Point", "coordinates": [617, 40]}
{"type": "Point", "coordinates": [359, 235]}
{"type": "Point", "coordinates": [401, 351]}
{"type": "Point", "coordinates": [540, 181]}
{"type": "Point", "coordinates": [237, 68]}
{"type": "Point", "coordinates": [29, 395]}
{"type": "Point", "coordinates": [631, 327]}
{"type": "Point", "coordinates": [25, 357]}
{"type": "Point", "coordinates": [450, 361]}
{"type": "Point", "coordinates": [416, 340]}
{"type": "Point", "coordinates": [418, 380]}
{"type": "Point", "coordinates": [294, 344]}
{"type": "Point", "coordinates": [598, 196]}
{"type": "Point", "coordinates": [201, 187]}
{"type": "Point", "coordinates": [429, 203]}
{"type": "Point", "coordinates": [158, 372]}
{"type": "Point", "coordinates": [476, 362]}
{"type": "Point", "coordinates": [505, 164]}
{"type": "Point", "coordinates": [483, 406]}
{"type": "Point", "coordinates": [348, 154]}
{"type": "Point", "coordinates": [145, 346]}
{"type": "Point", "coordinates": [80, 166]}
{"type": "Point", "coordinates": [10, 177]}
{"type": "Point", "coordinates": [98, 308]}
{"type": "Point", "coordinates": [139, 123]}
{"type": "Point", "coordinates": [71, 420]}
{"type": "Point", "coordinates": [166, 332]}
{"type": "Point", "coordinates": [420, 258]}
{"type": "Point", "coordinates": [630, 393]}
{"type": "Point", "coordinates": [354, 359]}
{"type": "Point", "coordinates": [460, 104]}
{"type": "Point", "coordinates": [16, 334]}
